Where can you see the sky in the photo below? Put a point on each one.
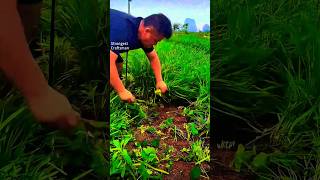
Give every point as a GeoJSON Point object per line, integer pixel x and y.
{"type": "Point", "coordinates": [176, 10]}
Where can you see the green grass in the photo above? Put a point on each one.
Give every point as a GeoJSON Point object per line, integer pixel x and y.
{"type": "Point", "coordinates": [29, 150]}
{"type": "Point", "coordinates": [186, 70]}
{"type": "Point", "coordinates": [265, 62]}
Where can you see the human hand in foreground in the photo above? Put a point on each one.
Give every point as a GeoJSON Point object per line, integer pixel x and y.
{"type": "Point", "coordinates": [162, 86]}
{"type": "Point", "coordinates": [126, 96]}
{"type": "Point", "coordinates": [53, 109]}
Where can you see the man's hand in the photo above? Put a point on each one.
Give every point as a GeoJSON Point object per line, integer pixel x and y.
{"type": "Point", "coordinates": [53, 109]}
{"type": "Point", "coordinates": [162, 86]}
{"type": "Point", "coordinates": [126, 96]}
{"type": "Point", "coordinates": [116, 82]}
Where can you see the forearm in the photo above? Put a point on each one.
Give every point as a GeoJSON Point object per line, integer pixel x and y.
{"type": "Point", "coordinates": [15, 58]}
{"type": "Point", "coordinates": [115, 80]}
{"type": "Point", "coordinates": [156, 67]}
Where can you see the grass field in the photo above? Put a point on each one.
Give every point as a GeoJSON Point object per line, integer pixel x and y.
{"type": "Point", "coordinates": [164, 136]}
{"type": "Point", "coordinates": [29, 150]}
{"type": "Point", "coordinates": [266, 86]}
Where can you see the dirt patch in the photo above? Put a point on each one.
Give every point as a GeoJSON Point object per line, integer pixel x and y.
{"type": "Point", "coordinates": [222, 169]}
{"type": "Point", "coordinates": [172, 141]}
{"type": "Point", "coordinates": [144, 136]}
{"type": "Point", "coordinates": [178, 146]}
{"type": "Point", "coordinates": [180, 170]}
{"type": "Point", "coordinates": [170, 112]}
{"type": "Point", "coordinates": [224, 156]}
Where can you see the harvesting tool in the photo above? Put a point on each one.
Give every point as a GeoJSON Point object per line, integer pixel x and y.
{"type": "Point", "coordinates": [92, 123]}
{"type": "Point", "coordinates": [92, 128]}
{"type": "Point", "coordinates": [88, 124]}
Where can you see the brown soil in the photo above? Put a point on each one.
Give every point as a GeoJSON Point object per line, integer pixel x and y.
{"type": "Point", "coordinates": [180, 169]}
{"type": "Point", "coordinates": [221, 164]}
{"type": "Point", "coordinates": [222, 169]}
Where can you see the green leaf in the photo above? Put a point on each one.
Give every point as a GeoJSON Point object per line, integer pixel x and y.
{"type": "Point", "coordinates": [144, 143]}
{"type": "Point", "coordinates": [11, 117]}
{"type": "Point", "coordinates": [95, 124]}
{"type": "Point", "coordinates": [116, 143]}
{"type": "Point", "coordinates": [99, 164]}
{"type": "Point", "coordinates": [162, 126]}
{"type": "Point", "coordinates": [195, 173]}
{"type": "Point", "coordinates": [151, 129]}
{"type": "Point", "coordinates": [284, 159]}
{"type": "Point", "coordinates": [82, 175]}
{"type": "Point", "coordinates": [123, 172]}
{"type": "Point", "coordinates": [260, 161]}
{"type": "Point", "coordinates": [155, 142]}
{"type": "Point", "coordinates": [242, 157]}
{"type": "Point", "coordinates": [148, 154]}
{"type": "Point", "coordinates": [169, 121]}
{"type": "Point", "coordinates": [191, 112]}
{"type": "Point", "coordinates": [316, 142]}
{"type": "Point", "coordinates": [126, 157]}
{"type": "Point", "coordinates": [285, 178]}
{"type": "Point", "coordinates": [194, 130]}
{"type": "Point", "coordinates": [143, 171]}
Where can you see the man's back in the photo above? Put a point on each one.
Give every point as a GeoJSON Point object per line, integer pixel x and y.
{"type": "Point", "coordinates": [123, 31]}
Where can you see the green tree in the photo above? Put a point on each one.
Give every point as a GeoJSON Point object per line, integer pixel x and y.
{"type": "Point", "coordinates": [176, 26]}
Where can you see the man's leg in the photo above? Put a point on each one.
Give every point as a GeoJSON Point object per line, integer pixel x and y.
{"type": "Point", "coordinates": [30, 11]}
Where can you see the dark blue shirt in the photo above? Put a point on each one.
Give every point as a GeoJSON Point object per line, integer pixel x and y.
{"type": "Point", "coordinates": [124, 32]}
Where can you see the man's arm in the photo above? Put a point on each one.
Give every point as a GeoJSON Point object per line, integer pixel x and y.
{"type": "Point", "coordinates": [16, 60]}
{"type": "Point", "coordinates": [47, 105]}
{"type": "Point", "coordinates": [115, 80]}
{"type": "Point", "coordinates": [155, 65]}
